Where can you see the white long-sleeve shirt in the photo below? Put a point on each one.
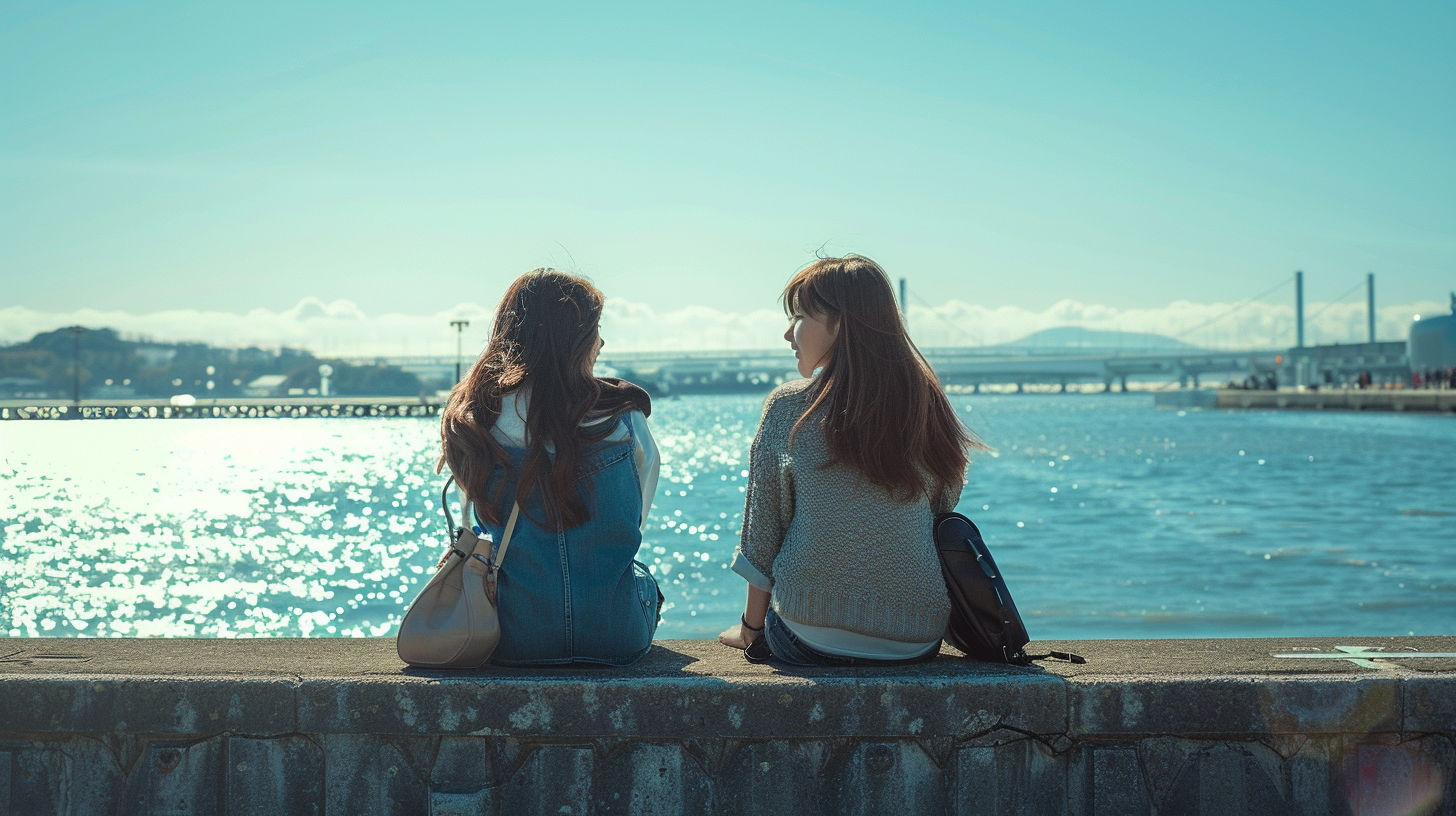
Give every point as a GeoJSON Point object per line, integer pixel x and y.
{"type": "Point", "coordinates": [510, 429]}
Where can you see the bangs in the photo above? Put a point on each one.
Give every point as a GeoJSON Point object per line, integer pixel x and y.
{"type": "Point", "coordinates": [806, 290]}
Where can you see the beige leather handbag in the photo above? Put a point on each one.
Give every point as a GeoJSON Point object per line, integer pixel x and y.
{"type": "Point", "coordinates": [452, 623]}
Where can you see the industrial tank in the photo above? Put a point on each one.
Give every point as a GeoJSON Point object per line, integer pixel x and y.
{"type": "Point", "coordinates": [1433, 341]}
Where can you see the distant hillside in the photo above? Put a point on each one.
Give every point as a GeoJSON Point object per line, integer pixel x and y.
{"type": "Point", "coordinates": [114, 367]}
{"type": "Point", "coordinates": [1076, 338]}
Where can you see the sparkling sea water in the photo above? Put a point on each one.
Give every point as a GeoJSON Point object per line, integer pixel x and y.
{"type": "Point", "coordinates": [1110, 519]}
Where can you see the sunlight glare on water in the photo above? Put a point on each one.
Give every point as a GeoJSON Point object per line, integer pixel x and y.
{"type": "Point", "coordinates": [1109, 517]}
{"type": "Point", "coordinates": [228, 527]}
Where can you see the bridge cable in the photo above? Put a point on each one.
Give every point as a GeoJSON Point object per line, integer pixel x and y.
{"type": "Point", "coordinates": [974, 340]}
{"type": "Point", "coordinates": [1241, 304]}
{"type": "Point", "coordinates": [1357, 287]}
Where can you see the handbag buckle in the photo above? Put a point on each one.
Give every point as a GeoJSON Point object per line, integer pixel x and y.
{"type": "Point", "coordinates": [489, 567]}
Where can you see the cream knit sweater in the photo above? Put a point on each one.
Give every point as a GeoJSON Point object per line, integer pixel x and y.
{"type": "Point", "coordinates": [835, 550]}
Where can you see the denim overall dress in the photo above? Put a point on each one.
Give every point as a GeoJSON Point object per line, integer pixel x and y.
{"type": "Point", "coordinates": [578, 596]}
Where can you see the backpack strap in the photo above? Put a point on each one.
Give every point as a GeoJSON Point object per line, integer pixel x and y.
{"type": "Point", "coordinates": [1068, 657]}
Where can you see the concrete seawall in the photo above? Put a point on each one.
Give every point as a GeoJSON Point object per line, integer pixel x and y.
{"type": "Point", "coordinates": [341, 727]}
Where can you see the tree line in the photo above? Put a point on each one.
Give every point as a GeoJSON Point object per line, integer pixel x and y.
{"type": "Point", "coordinates": [112, 366]}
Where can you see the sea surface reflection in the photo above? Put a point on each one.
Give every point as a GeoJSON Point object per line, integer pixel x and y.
{"type": "Point", "coordinates": [1109, 517]}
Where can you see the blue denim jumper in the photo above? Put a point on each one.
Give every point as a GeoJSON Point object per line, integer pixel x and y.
{"type": "Point", "coordinates": [577, 596]}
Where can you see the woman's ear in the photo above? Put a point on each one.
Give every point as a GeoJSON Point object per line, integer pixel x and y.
{"type": "Point", "coordinates": [591, 359]}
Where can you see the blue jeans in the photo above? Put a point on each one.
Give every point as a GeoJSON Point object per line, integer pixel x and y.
{"type": "Point", "coordinates": [788, 648]}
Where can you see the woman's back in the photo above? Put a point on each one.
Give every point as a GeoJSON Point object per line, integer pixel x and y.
{"type": "Point", "coordinates": [531, 425]}
{"type": "Point", "coordinates": [847, 471]}
{"type": "Point", "coordinates": [840, 553]}
{"type": "Point", "coordinates": [578, 595]}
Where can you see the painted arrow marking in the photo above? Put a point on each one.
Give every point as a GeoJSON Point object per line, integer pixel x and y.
{"type": "Point", "coordinates": [1363, 656]}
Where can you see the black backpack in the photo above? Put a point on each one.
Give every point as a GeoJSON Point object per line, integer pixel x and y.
{"type": "Point", "coordinates": [984, 622]}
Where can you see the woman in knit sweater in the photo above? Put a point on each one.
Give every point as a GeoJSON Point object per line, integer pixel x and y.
{"type": "Point", "coordinates": [846, 473]}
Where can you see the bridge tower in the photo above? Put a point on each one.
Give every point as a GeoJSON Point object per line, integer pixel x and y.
{"type": "Point", "coordinates": [1370, 305]}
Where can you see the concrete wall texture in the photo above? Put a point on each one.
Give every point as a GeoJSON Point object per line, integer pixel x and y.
{"type": "Point", "coordinates": [340, 727]}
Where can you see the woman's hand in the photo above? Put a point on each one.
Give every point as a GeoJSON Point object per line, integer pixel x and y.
{"type": "Point", "coordinates": [738, 636]}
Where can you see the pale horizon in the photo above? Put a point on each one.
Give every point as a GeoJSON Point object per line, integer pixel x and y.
{"type": "Point", "coordinates": [342, 328]}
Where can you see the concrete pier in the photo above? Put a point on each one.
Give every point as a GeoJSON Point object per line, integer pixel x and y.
{"type": "Point", "coordinates": [1341, 399]}
{"type": "Point", "coordinates": [341, 727]}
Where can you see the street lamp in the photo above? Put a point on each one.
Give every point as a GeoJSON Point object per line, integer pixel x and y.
{"type": "Point", "coordinates": [76, 362]}
{"type": "Point", "coordinates": [459, 326]}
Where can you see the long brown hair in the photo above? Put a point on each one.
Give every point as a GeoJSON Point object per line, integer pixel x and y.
{"type": "Point", "coordinates": [887, 416]}
{"type": "Point", "coordinates": [544, 336]}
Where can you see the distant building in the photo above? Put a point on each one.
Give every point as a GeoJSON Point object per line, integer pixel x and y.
{"type": "Point", "coordinates": [22, 388]}
{"type": "Point", "coordinates": [1433, 341]}
{"type": "Point", "coordinates": [110, 390]}
{"type": "Point", "coordinates": [1341, 363]}
{"type": "Point", "coordinates": [268, 385]}
{"type": "Point", "coordinates": [155, 356]}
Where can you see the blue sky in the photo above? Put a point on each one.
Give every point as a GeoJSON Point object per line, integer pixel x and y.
{"type": "Point", "coordinates": [407, 157]}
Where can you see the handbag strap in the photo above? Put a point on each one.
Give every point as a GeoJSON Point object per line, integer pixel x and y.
{"type": "Point", "coordinates": [500, 552]}
{"type": "Point", "coordinates": [467, 512]}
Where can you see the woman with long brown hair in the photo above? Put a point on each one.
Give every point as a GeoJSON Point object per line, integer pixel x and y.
{"type": "Point", "coordinates": [846, 473]}
{"type": "Point", "coordinates": [531, 425]}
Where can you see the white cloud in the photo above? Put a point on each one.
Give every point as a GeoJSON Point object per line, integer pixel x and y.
{"type": "Point", "coordinates": [341, 328]}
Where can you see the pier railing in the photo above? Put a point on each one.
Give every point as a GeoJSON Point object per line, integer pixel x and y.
{"type": "Point", "coordinates": [296, 407]}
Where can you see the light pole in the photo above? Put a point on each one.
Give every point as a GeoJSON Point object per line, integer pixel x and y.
{"type": "Point", "coordinates": [459, 326]}
{"type": "Point", "coordinates": [76, 362]}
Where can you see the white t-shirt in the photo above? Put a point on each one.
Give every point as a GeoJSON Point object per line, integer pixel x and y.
{"type": "Point", "coordinates": [510, 429]}
{"type": "Point", "coordinates": [843, 643]}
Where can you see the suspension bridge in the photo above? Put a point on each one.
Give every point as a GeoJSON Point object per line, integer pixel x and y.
{"type": "Point", "coordinates": [973, 366]}
{"type": "Point", "coordinates": [1002, 368]}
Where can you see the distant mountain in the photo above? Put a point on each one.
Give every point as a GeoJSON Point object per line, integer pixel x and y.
{"type": "Point", "coordinates": [1076, 338]}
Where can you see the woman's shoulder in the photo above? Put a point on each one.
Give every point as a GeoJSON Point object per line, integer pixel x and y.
{"type": "Point", "coordinates": [783, 407]}
{"type": "Point", "coordinates": [791, 394]}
